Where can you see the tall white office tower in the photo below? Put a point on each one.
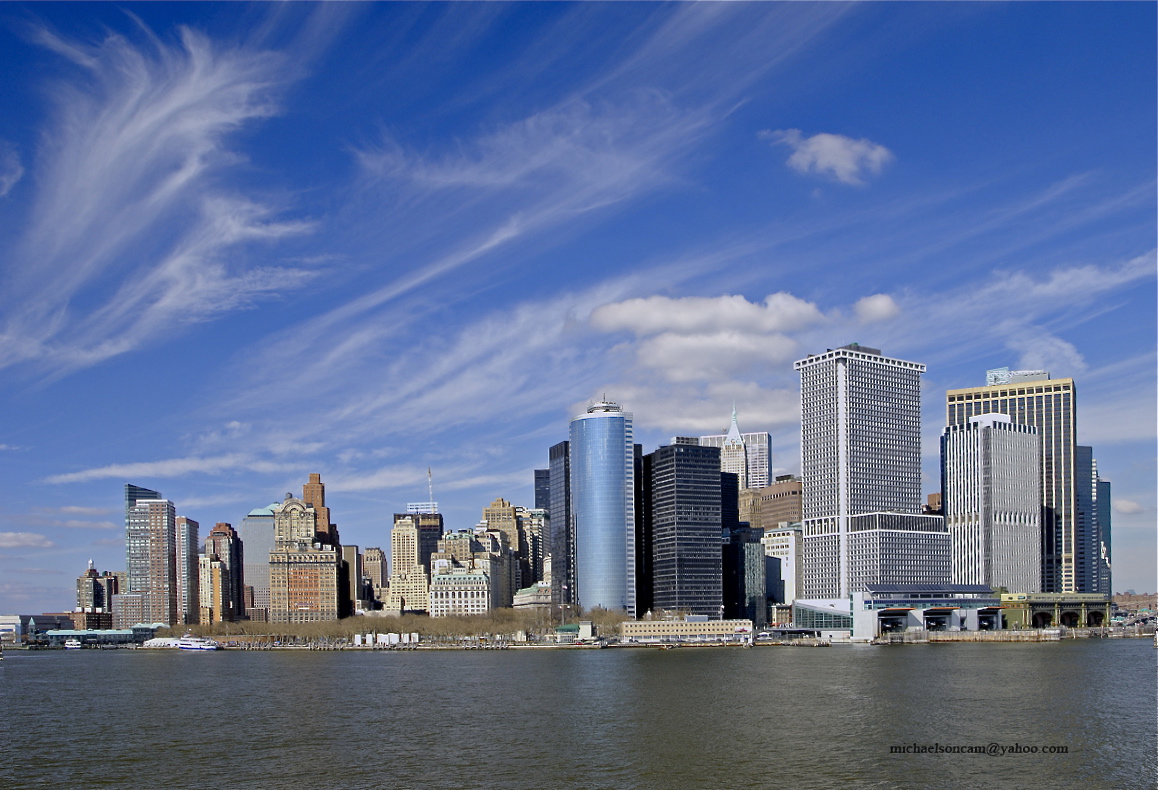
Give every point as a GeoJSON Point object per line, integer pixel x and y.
{"type": "Point", "coordinates": [860, 459]}
{"type": "Point", "coordinates": [602, 465]}
{"type": "Point", "coordinates": [1031, 397]}
{"type": "Point", "coordinates": [991, 496]}
{"type": "Point", "coordinates": [746, 455]}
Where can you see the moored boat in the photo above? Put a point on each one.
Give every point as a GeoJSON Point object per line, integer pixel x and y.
{"type": "Point", "coordinates": [190, 642]}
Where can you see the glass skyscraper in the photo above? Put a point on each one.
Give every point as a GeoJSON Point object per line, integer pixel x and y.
{"type": "Point", "coordinates": [603, 507]}
{"type": "Point", "coordinates": [562, 539]}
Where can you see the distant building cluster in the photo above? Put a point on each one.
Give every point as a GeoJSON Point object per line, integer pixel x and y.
{"type": "Point", "coordinates": [699, 527]}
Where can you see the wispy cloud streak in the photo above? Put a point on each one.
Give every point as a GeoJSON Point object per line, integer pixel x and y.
{"type": "Point", "coordinates": [133, 232]}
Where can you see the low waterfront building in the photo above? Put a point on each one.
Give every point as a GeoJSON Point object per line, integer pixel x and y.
{"type": "Point", "coordinates": [538, 595]}
{"type": "Point", "coordinates": [829, 618]}
{"type": "Point", "coordinates": [120, 637]}
{"type": "Point", "coordinates": [693, 628]}
{"type": "Point", "coordinates": [1050, 610]}
{"type": "Point", "coordinates": [885, 608]}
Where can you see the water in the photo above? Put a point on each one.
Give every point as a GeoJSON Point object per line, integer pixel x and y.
{"type": "Point", "coordinates": [688, 718]}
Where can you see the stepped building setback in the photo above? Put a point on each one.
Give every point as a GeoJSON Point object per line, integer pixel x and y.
{"type": "Point", "coordinates": [860, 458]}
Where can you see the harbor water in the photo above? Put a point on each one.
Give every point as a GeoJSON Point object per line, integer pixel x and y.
{"type": "Point", "coordinates": [1072, 714]}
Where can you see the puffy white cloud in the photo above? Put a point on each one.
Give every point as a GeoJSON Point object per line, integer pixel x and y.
{"type": "Point", "coordinates": [24, 540]}
{"type": "Point", "coordinates": [878, 307]}
{"type": "Point", "coordinates": [840, 157]}
{"type": "Point", "coordinates": [712, 356]}
{"type": "Point", "coordinates": [1127, 507]}
{"type": "Point", "coordinates": [696, 314]}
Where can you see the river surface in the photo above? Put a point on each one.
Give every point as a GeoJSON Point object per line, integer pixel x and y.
{"type": "Point", "coordinates": [769, 717]}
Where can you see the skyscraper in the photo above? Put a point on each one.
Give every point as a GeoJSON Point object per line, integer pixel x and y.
{"type": "Point", "coordinates": [305, 564]}
{"type": "Point", "coordinates": [1050, 405]}
{"type": "Point", "coordinates": [1092, 528]}
{"type": "Point", "coordinates": [684, 526]}
{"type": "Point", "coordinates": [542, 489]}
{"type": "Point", "coordinates": [150, 554]}
{"type": "Point", "coordinates": [1102, 508]}
{"type": "Point", "coordinates": [96, 590]}
{"type": "Point", "coordinates": [377, 571]}
{"type": "Point", "coordinates": [991, 497]}
{"type": "Point", "coordinates": [562, 540]}
{"type": "Point", "coordinates": [747, 455]}
{"type": "Point", "coordinates": [413, 539]}
{"type": "Point", "coordinates": [256, 534]}
{"type": "Point", "coordinates": [225, 599]}
{"type": "Point", "coordinates": [603, 507]}
{"type": "Point", "coordinates": [188, 545]}
{"type": "Point", "coordinates": [860, 458]}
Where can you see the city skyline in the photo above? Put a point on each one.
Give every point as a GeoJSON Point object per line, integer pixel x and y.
{"type": "Point", "coordinates": [385, 255]}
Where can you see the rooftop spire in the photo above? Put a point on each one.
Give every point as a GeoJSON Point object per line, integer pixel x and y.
{"type": "Point", "coordinates": [734, 430]}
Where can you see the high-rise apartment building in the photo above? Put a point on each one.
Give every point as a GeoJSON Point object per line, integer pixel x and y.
{"type": "Point", "coordinates": [683, 527]}
{"type": "Point", "coordinates": [222, 568]}
{"type": "Point", "coordinates": [991, 499]}
{"type": "Point", "coordinates": [746, 455]}
{"type": "Point", "coordinates": [305, 566]}
{"type": "Point", "coordinates": [96, 590]}
{"type": "Point", "coordinates": [860, 457]}
{"type": "Point", "coordinates": [562, 540]}
{"type": "Point", "coordinates": [603, 507]}
{"type": "Point", "coordinates": [150, 555]}
{"type": "Point", "coordinates": [1050, 405]}
{"type": "Point", "coordinates": [188, 545]}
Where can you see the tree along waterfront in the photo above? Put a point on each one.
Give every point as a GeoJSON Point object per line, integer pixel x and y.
{"type": "Point", "coordinates": [497, 623]}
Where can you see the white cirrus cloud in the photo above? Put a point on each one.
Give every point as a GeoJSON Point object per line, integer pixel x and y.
{"type": "Point", "coordinates": [878, 307]}
{"type": "Point", "coordinates": [1041, 350]}
{"type": "Point", "coordinates": [175, 467]}
{"type": "Point", "coordinates": [1127, 507]}
{"type": "Point", "coordinates": [843, 158]}
{"type": "Point", "coordinates": [133, 231]}
{"type": "Point", "coordinates": [11, 170]}
{"type": "Point", "coordinates": [652, 315]}
{"type": "Point", "coordinates": [24, 540]}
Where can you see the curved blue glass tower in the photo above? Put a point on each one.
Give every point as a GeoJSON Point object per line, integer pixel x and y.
{"type": "Point", "coordinates": [603, 507]}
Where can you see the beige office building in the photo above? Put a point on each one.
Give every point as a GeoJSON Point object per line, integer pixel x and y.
{"type": "Point", "coordinates": [769, 507]}
{"type": "Point", "coordinates": [413, 539]}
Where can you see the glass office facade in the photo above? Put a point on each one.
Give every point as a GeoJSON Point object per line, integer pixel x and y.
{"type": "Point", "coordinates": [603, 507]}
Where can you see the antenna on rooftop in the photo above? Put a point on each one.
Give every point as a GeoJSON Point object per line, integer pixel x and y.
{"type": "Point", "coordinates": [429, 484]}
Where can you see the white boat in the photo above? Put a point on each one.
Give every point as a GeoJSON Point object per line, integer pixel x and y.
{"type": "Point", "coordinates": [72, 644]}
{"type": "Point", "coordinates": [190, 642]}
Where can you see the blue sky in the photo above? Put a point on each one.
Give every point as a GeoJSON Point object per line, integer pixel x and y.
{"type": "Point", "coordinates": [248, 242]}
